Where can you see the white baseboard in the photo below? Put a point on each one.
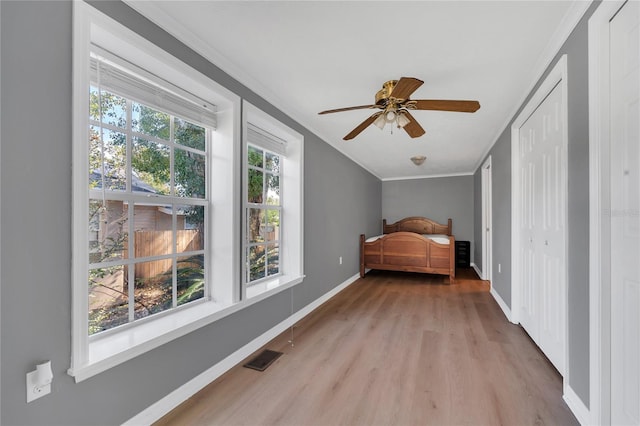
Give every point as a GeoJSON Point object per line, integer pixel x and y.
{"type": "Point", "coordinates": [478, 271]}
{"type": "Point", "coordinates": [502, 304]}
{"type": "Point", "coordinates": [154, 412]}
{"type": "Point", "coordinates": [576, 406]}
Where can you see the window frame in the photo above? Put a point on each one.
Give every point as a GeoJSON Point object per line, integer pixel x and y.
{"type": "Point", "coordinates": [291, 247]}
{"type": "Point", "coordinates": [91, 355]}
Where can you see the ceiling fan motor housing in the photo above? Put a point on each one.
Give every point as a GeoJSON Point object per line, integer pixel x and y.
{"type": "Point", "coordinates": [383, 94]}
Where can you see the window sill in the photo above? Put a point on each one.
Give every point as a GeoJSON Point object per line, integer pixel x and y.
{"type": "Point", "coordinates": [114, 349]}
{"type": "Point", "coordinates": [271, 286]}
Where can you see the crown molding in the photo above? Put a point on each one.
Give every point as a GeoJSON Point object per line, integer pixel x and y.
{"type": "Point", "coordinates": [569, 22]}
{"type": "Point", "coordinates": [177, 29]}
{"type": "Point", "coordinates": [168, 23]}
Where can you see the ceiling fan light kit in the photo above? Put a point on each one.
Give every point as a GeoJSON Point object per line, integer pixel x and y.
{"type": "Point", "coordinates": [393, 99]}
{"type": "Point", "coordinates": [380, 121]}
{"type": "Point", "coordinates": [402, 120]}
{"type": "Point", "coordinates": [392, 117]}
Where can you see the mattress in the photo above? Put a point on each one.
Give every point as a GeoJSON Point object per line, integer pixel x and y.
{"type": "Point", "coordinates": [437, 238]}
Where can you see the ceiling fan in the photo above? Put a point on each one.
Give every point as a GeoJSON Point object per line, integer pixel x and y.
{"type": "Point", "coordinates": [394, 105]}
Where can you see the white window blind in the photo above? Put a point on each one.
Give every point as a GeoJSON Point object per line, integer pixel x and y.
{"type": "Point", "coordinates": [119, 76]}
{"type": "Point", "coordinates": [266, 140]}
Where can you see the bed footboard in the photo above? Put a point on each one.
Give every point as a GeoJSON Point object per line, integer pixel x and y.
{"type": "Point", "coordinates": [409, 252]}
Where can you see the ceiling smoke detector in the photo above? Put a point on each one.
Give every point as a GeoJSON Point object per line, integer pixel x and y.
{"type": "Point", "coordinates": [418, 159]}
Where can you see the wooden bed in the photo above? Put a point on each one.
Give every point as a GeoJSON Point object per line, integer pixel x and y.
{"type": "Point", "coordinates": [403, 247]}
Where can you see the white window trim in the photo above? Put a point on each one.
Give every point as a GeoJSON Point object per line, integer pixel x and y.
{"type": "Point", "coordinates": [101, 353]}
{"type": "Point", "coordinates": [292, 214]}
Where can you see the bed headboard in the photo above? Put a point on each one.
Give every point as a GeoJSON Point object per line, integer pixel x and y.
{"type": "Point", "coordinates": [417, 224]}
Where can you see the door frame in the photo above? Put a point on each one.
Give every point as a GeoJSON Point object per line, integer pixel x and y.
{"type": "Point", "coordinates": [557, 76]}
{"type": "Point", "coordinates": [599, 204]}
{"type": "Point", "coordinates": [487, 222]}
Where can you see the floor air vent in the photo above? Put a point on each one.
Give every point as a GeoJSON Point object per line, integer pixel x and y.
{"type": "Point", "coordinates": [263, 360]}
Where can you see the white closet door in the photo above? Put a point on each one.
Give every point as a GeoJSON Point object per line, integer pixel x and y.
{"type": "Point", "coordinates": [625, 215]}
{"type": "Point", "coordinates": [551, 244]}
{"type": "Point", "coordinates": [529, 182]}
{"type": "Point", "coordinates": [543, 245]}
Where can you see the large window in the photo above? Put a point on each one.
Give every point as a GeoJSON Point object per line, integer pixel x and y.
{"type": "Point", "coordinates": [152, 258]}
{"type": "Point", "coordinates": [168, 236]}
{"type": "Point", "coordinates": [272, 203]}
{"type": "Point", "coordinates": [147, 198]}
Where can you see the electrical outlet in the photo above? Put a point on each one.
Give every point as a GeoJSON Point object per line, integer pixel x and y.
{"type": "Point", "coordinates": [340, 260]}
{"type": "Point", "coordinates": [35, 389]}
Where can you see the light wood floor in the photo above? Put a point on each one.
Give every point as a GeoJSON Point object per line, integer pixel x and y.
{"type": "Point", "coordinates": [393, 348]}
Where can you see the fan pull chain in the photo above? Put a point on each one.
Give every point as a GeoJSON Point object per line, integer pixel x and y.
{"type": "Point", "coordinates": [291, 340]}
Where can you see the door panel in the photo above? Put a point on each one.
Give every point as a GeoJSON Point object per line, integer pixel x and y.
{"type": "Point", "coordinates": [528, 278]}
{"type": "Point", "coordinates": [487, 225]}
{"type": "Point", "coordinates": [550, 232]}
{"type": "Point", "coordinates": [542, 227]}
{"type": "Point", "coordinates": [630, 354]}
{"type": "Point", "coordinates": [625, 215]}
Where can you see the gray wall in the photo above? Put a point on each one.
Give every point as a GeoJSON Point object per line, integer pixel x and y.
{"type": "Point", "coordinates": [36, 231]}
{"type": "Point", "coordinates": [578, 212]}
{"type": "Point", "coordinates": [435, 198]}
{"type": "Point", "coordinates": [501, 219]}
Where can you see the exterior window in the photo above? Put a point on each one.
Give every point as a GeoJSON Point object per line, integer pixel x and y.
{"type": "Point", "coordinates": [264, 214]}
{"type": "Point", "coordinates": [272, 202]}
{"type": "Point", "coordinates": [148, 201]}
{"type": "Point", "coordinates": [152, 259]}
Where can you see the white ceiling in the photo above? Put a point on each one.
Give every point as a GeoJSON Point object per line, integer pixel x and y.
{"type": "Point", "coordinates": [308, 56]}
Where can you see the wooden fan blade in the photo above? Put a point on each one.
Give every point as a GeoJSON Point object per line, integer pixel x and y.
{"type": "Point", "coordinates": [329, 111]}
{"type": "Point", "coordinates": [443, 105]}
{"type": "Point", "coordinates": [413, 128]}
{"type": "Point", "coordinates": [405, 87]}
{"type": "Point", "coordinates": [366, 123]}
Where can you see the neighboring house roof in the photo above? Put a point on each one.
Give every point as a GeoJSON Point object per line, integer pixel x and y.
{"type": "Point", "coordinates": [137, 185]}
